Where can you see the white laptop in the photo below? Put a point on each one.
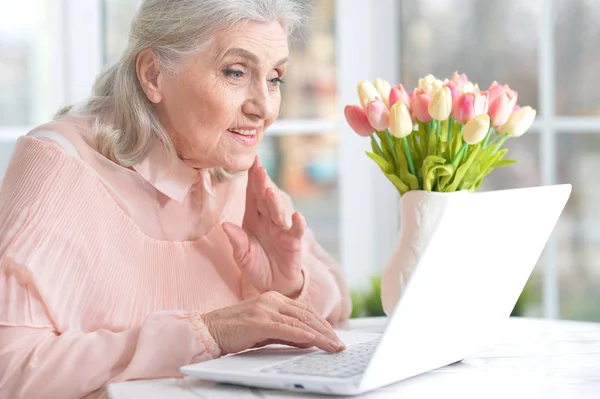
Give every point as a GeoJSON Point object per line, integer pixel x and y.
{"type": "Point", "coordinates": [464, 287]}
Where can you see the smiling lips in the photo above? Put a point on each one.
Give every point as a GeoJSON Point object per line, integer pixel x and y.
{"type": "Point", "coordinates": [245, 135]}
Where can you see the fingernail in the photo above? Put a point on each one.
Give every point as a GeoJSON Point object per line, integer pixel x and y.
{"type": "Point", "coordinates": [336, 344]}
{"type": "Point", "coordinates": [341, 344]}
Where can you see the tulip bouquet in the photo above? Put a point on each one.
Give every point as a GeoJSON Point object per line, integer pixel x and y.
{"type": "Point", "coordinates": [444, 136]}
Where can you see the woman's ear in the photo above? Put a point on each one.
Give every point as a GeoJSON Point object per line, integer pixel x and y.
{"type": "Point", "coordinates": [148, 73]}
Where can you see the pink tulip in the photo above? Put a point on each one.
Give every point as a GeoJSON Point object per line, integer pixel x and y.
{"type": "Point", "coordinates": [459, 80]}
{"type": "Point", "coordinates": [453, 89]}
{"type": "Point", "coordinates": [485, 101]}
{"type": "Point", "coordinates": [495, 90]}
{"type": "Point", "coordinates": [357, 119]}
{"type": "Point", "coordinates": [419, 105]}
{"type": "Point", "coordinates": [378, 115]}
{"type": "Point", "coordinates": [469, 105]}
{"type": "Point", "coordinates": [502, 101]}
{"type": "Point", "coordinates": [464, 108]}
{"type": "Point", "coordinates": [398, 93]}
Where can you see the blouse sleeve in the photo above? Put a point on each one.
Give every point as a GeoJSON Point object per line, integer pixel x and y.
{"type": "Point", "coordinates": [38, 357]}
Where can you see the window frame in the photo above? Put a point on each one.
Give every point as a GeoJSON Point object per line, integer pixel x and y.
{"type": "Point", "coordinates": [368, 209]}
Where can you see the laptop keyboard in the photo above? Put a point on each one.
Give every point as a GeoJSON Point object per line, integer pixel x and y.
{"type": "Point", "coordinates": [351, 362]}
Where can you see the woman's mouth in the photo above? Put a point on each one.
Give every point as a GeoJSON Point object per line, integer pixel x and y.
{"type": "Point", "coordinates": [245, 136]}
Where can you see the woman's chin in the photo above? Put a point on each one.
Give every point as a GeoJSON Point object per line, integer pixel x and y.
{"type": "Point", "coordinates": [240, 163]}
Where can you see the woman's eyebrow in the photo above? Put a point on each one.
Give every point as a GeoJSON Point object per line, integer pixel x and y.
{"type": "Point", "coordinates": [250, 56]}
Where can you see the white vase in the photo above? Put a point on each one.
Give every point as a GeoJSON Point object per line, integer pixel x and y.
{"type": "Point", "coordinates": [419, 214]}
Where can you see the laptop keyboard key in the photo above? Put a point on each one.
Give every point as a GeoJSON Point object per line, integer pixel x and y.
{"type": "Point", "coordinates": [351, 362]}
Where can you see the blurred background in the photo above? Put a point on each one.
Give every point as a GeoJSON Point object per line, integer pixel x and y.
{"type": "Point", "coordinates": [51, 50]}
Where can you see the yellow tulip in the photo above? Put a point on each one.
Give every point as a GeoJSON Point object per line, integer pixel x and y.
{"type": "Point", "coordinates": [383, 87]}
{"type": "Point", "coordinates": [440, 105]}
{"type": "Point", "coordinates": [367, 93]}
{"type": "Point", "coordinates": [401, 124]}
{"type": "Point", "coordinates": [476, 129]}
{"type": "Point", "coordinates": [519, 122]}
{"type": "Point", "coordinates": [425, 81]}
{"type": "Point", "coordinates": [430, 84]}
{"type": "Point", "coordinates": [469, 87]}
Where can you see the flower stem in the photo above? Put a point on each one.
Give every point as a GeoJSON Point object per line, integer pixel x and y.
{"type": "Point", "coordinates": [450, 128]}
{"type": "Point", "coordinates": [487, 137]}
{"type": "Point", "coordinates": [500, 142]}
{"type": "Point", "coordinates": [411, 167]}
{"type": "Point", "coordinates": [375, 147]}
{"type": "Point", "coordinates": [459, 153]}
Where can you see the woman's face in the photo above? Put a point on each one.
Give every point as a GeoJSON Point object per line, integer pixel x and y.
{"type": "Point", "coordinates": [217, 109]}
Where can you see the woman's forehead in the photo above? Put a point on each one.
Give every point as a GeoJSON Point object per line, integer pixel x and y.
{"type": "Point", "coordinates": [258, 42]}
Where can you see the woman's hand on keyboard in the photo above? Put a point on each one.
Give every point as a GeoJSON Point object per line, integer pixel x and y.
{"type": "Point", "coordinates": [270, 318]}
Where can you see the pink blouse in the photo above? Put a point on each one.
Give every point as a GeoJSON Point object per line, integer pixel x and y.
{"type": "Point", "coordinates": [105, 271]}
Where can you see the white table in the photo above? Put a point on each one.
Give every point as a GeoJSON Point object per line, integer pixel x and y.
{"type": "Point", "coordinates": [534, 359]}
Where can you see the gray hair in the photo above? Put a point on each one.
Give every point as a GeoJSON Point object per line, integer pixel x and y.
{"type": "Point", "coordinates": [124, 119]}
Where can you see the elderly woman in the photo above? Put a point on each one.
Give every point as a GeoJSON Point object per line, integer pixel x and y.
{"type": "Point", "coordinates": [139, 231]}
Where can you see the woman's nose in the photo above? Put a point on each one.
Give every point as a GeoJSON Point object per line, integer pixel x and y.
{"type": "Point", "coordinates": [259, 103]}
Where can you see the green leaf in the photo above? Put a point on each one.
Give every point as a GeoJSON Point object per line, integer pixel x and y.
{"type": "Point", "coordinates": [383, 164]}
{"type": "Point", "coordinates": [471, 177]}
{"type": "Point", "coordinates": [389, 172]}
{"type": "Point", "coordinates": [423, 139]}
{"type": "Point", "coordinates": [446, 178]}
{"type": "Point", "coordinates": [434, 173]}
{"type": "Point", "coordinates": [399, 184]}
{"type": "Point", "coordinates": [456, 144]}
{"type": "Point", "coordinates": [390, 141]}
{"type": "Point", "coordinates": [430, 163]}
{"type": "Point", "coordinates": [403, 170]}
{"type": "Point", "coordinates": [375, 147]}
{"type": "Point", "coordinates": [503, 162]}
{"type": "Point", "coordinates": [385, 146]}
{"type": "Point", "coordinates": [415, 151]}
{"type": "Point", "coordinates": [431, 143]}
{"type": "Point", "coordinates": [487, 166]}
{"type": "Point", "coordinates": [443, 131]}
{"type": "Point", "coordinates": [462, 171]}
{"type": "Point", "coordinates": [434, 159]}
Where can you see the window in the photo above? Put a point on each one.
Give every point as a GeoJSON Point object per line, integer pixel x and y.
{"type": "Point", "coordinates": [29, 80]}
{"type": "Point", "coordinates": [576, 132]}
{"type": "Point", "coordinates": [488, 40]}
{"type": "Point", "coordinates": [545, 50]}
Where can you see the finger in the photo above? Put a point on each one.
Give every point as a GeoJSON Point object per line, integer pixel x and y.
{"type": "Point", "coordinates": [240, 243]}
{"type": "Point", "coordinates": [312, 319]}
{"type": "Point", "coordinates": [321, 341]}
{"type": "Point", "coordinates": [302, 307]}
{"type": "Point", "coordinates": [283, 332]}
{"type": "Point", "coordinates": [256, 162]}
{"type": "Point", "coordinates": [298, 225]}
{"type": "Point", "coordinates": [281, 302]}
{"type": "Point", "coordinates": [259, 187]}
{"type": "Point", "coordinates": [276, 209]}
{"type": "Point", "coordinates": [250, 195]}
{"type": "Point", "coordinates": [280, 342]}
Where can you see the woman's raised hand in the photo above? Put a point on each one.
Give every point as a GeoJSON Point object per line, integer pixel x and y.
{"type": "Point", "coordinates": [267, 248]}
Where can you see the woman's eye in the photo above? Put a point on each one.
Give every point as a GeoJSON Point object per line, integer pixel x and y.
{"type": "Point", "coordinates": [234, 73]}
{"type": "Point", "coordinates": [276, 81]}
